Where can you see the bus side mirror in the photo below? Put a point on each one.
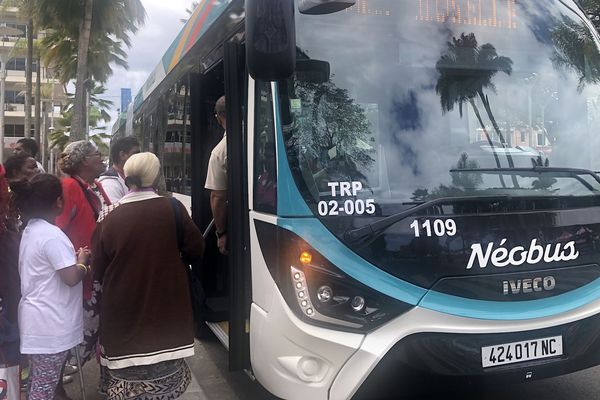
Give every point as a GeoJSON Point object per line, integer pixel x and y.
{"type": "Point", "coordinates": [313, 71]}
{"type": "Point", "coordinates": [270, 39]}
{"type": "Point", "coordinates": [320, 7]}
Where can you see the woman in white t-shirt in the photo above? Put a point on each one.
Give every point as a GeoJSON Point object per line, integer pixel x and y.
{"type": "Point", "coordinates": [50, 311]}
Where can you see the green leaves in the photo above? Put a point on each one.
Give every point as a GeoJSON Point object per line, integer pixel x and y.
{"type": "Point", "coordinates": [98, 114]}
{"type": "Point", "coordinates": [84, 40]}
{"type": "Point", "coordinates": [112, 24]}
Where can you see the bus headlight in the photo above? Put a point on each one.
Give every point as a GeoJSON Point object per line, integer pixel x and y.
{"type": "Point", "coordinates": [319, 292]}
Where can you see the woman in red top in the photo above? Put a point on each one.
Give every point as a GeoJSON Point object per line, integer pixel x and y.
{"type": "Point", "coordinates": [84, 197]}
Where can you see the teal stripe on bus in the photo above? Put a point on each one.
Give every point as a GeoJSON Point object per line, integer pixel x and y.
{"type": "Point", "coordinates": [325, 242]}
{"type": "Point", "coordinates": [289, 201]}
{"type": "Point", "coordinates": [513, 310]}
{"type": "Point", "coordinates": [322, 240]}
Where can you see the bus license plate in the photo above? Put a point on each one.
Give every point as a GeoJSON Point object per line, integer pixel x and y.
{"type": "Point", "coordinates": [510, 353]}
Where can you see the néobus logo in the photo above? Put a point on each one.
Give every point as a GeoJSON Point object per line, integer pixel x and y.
{"type": "Point", "coordinates": [502, 257]}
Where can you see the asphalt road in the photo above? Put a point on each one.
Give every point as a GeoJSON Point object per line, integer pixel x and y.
{"type": "Point", "coordinates": [213, 381]}
{"type": "Point", "coordinates": [584, 385]}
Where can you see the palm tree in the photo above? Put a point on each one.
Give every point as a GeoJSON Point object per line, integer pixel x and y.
{"type": "Point", "coordinates": [98, 113]}
{"type": "Point", "coordinates": [103, 52]}
{"type": "Point", "coordinates": [80, 107]}
{"type": "Point", "coordinates": [575, 50]}
{"type": "Point", "coordinates": [466, 69]}
{"type": "Point", "coordinates": [85, 26]}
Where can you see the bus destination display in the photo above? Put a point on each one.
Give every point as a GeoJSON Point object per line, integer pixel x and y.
{"type": "Point", "coordinates": [488, 13]}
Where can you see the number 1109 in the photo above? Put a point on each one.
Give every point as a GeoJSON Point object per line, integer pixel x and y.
{"type": "Point", "coordinates": [437, 227]}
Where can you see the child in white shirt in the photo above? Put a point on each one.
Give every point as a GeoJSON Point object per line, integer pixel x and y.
{"type": "Point", "coordinates": [50, 310]}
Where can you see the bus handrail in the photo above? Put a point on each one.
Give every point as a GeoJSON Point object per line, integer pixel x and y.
{"type": "Point", "coordinates": [208, 228]}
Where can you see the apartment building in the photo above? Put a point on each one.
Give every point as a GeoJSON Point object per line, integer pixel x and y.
{"type": "Point", "coordinates": [13, 46]}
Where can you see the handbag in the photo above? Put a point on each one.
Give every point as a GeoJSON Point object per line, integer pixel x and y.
{"type": "Point", "coordinates": [197, 294]}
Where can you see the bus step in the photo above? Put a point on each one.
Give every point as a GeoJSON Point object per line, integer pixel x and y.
{"type": "Point", "coordinates": [221, 331]}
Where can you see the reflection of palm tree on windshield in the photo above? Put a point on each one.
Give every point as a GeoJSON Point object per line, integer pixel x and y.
{"type": "Point", "coordinates": [544, 182]}
{"type": "Point", "coordinates": [466, 69]}
{"type": "Point", "coordinates": [575, 49]}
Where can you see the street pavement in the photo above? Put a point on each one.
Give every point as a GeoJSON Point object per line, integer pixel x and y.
{"type": "Point", "coordinates": [213, 381]}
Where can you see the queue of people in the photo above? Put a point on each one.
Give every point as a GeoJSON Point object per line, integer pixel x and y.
{"type": "Point", "coordinates": [87, 270]}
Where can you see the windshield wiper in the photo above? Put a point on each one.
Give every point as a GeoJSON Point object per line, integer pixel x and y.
{"type": "Point", "coordinates": [368, 231]}
{"type": "Point", "coordinates": [557, 170]}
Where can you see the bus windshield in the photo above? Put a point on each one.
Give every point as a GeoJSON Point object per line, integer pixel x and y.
{"type": "Point", "coordinates": [433, 99]}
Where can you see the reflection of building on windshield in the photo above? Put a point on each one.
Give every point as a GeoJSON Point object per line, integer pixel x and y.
{"type": "Point", "coordinates": [532, 139]}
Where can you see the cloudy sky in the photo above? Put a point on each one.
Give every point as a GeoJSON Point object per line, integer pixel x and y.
{"type": "Point", "coordinates": [149, 44]}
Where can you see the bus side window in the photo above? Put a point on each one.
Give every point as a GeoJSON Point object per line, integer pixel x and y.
{"type": "Point", "coordinates": [265, 170]}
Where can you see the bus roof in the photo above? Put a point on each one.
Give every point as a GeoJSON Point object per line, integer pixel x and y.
{"type": "Point", "coordinates": [199, 22]}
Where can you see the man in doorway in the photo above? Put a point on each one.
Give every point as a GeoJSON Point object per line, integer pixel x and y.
{"type": "Point", "coordinates": [28, 146]}
{"type": "Point", "coordinates": [113, 180]}
{"type": "Point", "coordinates": [216, 179]}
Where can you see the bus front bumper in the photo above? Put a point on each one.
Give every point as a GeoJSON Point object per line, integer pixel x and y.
{"type": "Point", "coordinates": [295, 360]}
{"type": "Point", "coordinates": [424, 346]}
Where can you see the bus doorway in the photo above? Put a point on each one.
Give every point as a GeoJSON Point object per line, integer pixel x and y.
{"type": "Point", "coordinates": [226, 279]}
{"type": "Point", "coordinates": [206, 134]}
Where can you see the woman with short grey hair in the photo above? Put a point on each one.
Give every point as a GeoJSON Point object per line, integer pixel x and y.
{"type": "Point", "coordinates": [84, 198]}
{"type": "Point", "coordinates": [73, 157]}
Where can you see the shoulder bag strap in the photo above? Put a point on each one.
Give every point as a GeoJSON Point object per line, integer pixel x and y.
{"type": "Point", "coordinates": [178, 227]}
{"type": "Point", "coordinates": [94, 202]}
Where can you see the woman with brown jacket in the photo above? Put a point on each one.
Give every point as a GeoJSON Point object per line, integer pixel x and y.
{"type": "Point", "coordinates": [146, 323]}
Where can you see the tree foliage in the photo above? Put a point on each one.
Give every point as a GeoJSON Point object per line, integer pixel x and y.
{"type": "Point", "coordinates": [332, 128]}
{"type": "Point", "coordinates": [85, 39]}
{"type": "Point", "coordinates": [98, 116]}
{"type": "Point", "coordinates": [61, 54]}
{"type": "Point", "coordinates": [576, 50]}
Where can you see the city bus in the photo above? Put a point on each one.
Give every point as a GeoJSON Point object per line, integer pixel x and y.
{"type": "Point", "coordinates": [412, 187]}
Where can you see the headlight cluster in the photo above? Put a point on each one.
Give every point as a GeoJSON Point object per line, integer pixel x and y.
{"type": "Point", "coordinates": [319, 292]}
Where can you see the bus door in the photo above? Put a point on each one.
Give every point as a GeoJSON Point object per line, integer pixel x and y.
{"type": "Point", "coordinates": [238, 222]}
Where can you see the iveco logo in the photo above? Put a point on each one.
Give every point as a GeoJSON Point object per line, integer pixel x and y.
{"type": "Point", "coordinates": [528, 285]}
